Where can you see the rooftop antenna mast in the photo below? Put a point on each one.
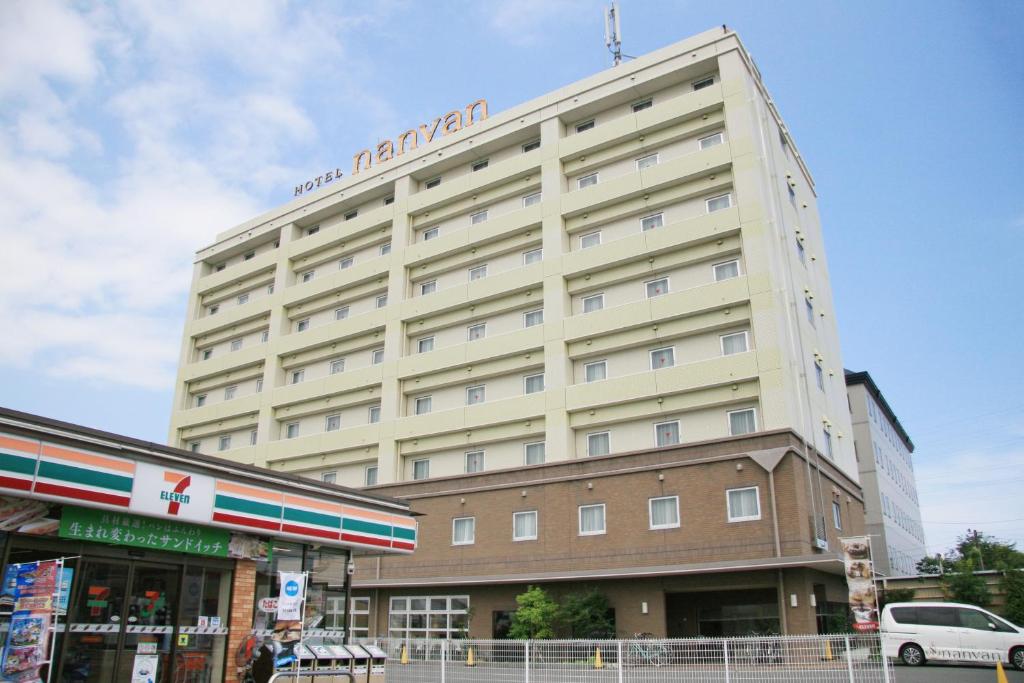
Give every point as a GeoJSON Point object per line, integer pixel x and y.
{"type": "Point", "coordinates": [613, 32]}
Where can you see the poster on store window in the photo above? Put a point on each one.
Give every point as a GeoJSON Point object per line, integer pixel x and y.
{"type": "Point", "coordinates": [32, 586]}
{"type": "Point", "coordinates": [860, 574]}
{"type": "Point", "coordinates": [144, 668]}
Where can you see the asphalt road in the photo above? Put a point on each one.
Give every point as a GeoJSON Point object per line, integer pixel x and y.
{"type": "Point", "coordinates": [944, 673]}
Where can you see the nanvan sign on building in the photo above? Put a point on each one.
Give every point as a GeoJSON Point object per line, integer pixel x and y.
{"type": "Point", "coordinates": [452, 122]}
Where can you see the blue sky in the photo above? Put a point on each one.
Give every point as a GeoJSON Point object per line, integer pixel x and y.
{"type": "Point", "coordinates": [132, 132]}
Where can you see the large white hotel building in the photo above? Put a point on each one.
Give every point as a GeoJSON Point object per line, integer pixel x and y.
{"type": "Point", "coordinates": [630, 267]}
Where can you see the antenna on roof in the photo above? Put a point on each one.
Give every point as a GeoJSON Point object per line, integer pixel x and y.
{"type": "Point", "coordinates": [613, 32]}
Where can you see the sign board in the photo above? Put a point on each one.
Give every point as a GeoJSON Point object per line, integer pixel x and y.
{"type": "Point", "coordinates": [860, 574]}
{"type": "Point", "coordinates": [289, 602]}
{"type": "Point", "coordinates": [143, 532]}
{"type": "Point", "coordinates": [268, 605]}
{"type": "Point", "coordinates": [176, 493]}
{"type": "Point", "coordinates": [144, 668]}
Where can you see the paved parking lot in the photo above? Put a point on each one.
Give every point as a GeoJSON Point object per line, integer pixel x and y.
{"type": "Point", "coordinates": [942, 673]}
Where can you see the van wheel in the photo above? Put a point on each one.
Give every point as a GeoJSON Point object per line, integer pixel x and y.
{"type": "Point", "coordinates": [1017, 658]}
{"type": "Point", "coordinates": [912, 655]}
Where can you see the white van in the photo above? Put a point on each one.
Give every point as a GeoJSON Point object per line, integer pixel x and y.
{"type": "Point", "coordinates": [918, 631]}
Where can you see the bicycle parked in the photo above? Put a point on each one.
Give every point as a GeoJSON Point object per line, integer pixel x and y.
{"type": "Point", "coordinates": [645, 651]}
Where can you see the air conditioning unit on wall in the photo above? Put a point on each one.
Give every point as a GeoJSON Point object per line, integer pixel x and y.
{"type": "Point", "coordinates": [820, 541]}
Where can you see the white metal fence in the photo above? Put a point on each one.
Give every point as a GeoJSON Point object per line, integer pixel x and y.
{"type": "Point", "coordinates": [853, 658]}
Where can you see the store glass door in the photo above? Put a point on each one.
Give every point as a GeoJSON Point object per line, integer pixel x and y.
{"type": "Point", "coordinates": [122, 621]}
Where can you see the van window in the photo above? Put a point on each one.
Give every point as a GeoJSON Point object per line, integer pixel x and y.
{"type": "Point", "coordinates": [936, 616]}
{"type": "Point", "coordinates": [904, 615]}
{"type": "Point", "coordinates": [972, 618]}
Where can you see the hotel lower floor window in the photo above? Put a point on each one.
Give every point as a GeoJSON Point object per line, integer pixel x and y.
{"type": "Point", "coordinates": [439, 616]}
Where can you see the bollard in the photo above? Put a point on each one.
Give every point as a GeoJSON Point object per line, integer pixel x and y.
{"type": "Point", "coordinates": [828, 650]}
{"type": "Point", "coordinates": [405, 655]}
{"type": "Point", "coordinates": [470, 661]}
{"type": "Point", "coordinates": [598, 664]}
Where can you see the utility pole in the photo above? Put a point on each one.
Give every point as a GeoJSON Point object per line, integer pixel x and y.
{"type": "Point", "coordinates": [613, 32]}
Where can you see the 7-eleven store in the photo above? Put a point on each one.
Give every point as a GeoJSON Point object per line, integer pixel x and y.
{"type": "Point", "coordinates": [171, 552]}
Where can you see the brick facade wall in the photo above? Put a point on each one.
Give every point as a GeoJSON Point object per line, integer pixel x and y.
{"type": "Point", "coordinates": [243, 593]}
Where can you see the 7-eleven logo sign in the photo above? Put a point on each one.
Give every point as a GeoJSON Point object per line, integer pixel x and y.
{"type": "Point", "coordinates": [176, 497]}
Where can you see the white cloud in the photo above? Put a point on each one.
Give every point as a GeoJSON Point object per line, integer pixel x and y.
{"type": "Point", "coordinates": [131, 134]}
{"type": "Point", "coordinates": [525, 22]}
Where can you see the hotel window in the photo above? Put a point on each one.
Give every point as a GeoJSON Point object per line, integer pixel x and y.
{"type": "Point", "coordinates": [742, 422]}
{"type": "Point", "coordinates": [308, 275]}
{"type": "Point", "coordinates": [200, 400]}
{"type": "Point", "coordinates": [478, 217]}
{"type": "Point", "coordinates": [312, 231]}
{"type": "Point", "coordinates": [819, 375]}
{"type": "Point", "coordinates": [524, 526]}
{"type": "Point", "coordinates": [242, 299]}
{"type": "Point", "coordinates": [837, 515]}
{"type": "Point", "coordinates": [533, 453]}
{"type": "Point", "coordinates": [236, 344]}
{"type": "Point", "coordinates": [827, 442]}
{"type": "Point", "coordinates": [420, 469]}
{"type": "Point", "coordinates": [591, 239]}
{"type": "Point", "coordinates": [656, 287]}
{"type": "Point", "coordinates": [291, 430]}
{"type": "Point", "coordinates": [533, 256]}
{"type": "Point", "coordinates": [703, 82]}
{"type": "Point", "coordinates": [270, 288]}
{"type": "Point", "coordinates": [584, 126]}
{"type": "Point", "coordinates": [213, 310]}
{"type": "Point", "coordinates": [428, 287]}
{"type": "Point", "coordinates": [474, 462]}
{"type": "Point", "coordinates": [431, 233]}
{"type": "Point", "coordinates": [341, 313]}
{"type": "Point", "coordinates": [666, 433]}
{"type": "Point", "coordinates": [329, 477]}
{"type": "Point", "coordinates": [592, 519]}
{"type": "Point", "coordinates": [298, 376]}
{"type": "Point", "coordinates": [447, 615]}
{"type": "Point", "coordinates": [381, 301]}
{"type": "Point", "coordinates": [727, 270]}
{"type": "Point", "coordinates": [478, 272]}
{"type": "Point", "coordinates": [423, 405]}
{"type": "Point", "coordinates": [646, 162]}
{"type": "Point", "coordinates": [744, 504]}
{"type": "Point", "coordinates": [373, 416]}
{"type": "Point", "coordinates": [664, 512]}
{"type": "Point", "coordinates": [734, 343]}
{"type": "Point", "coordinates": [475, 395]}
{"type": "Point", "coordinates": [337, 366]}
{"type": "Point", "coordinates": [599, 443]}
{"type": "Point", "coordinates": [253, 437]}
{"type": "Point", "coordinates": [424, 345]}
{"type": "Point", "coordinates": [345, 263]}
{"type": "Point", "coordinates": [533, 384]}
{"type": "Point", "coordinates": [531, 318]}
{"type": "Point", "coordinates": [389, 200]}
{"type": "Point", "coordinates": [531, 145]}
{"type": "Point", "coordinates": [810, 311]}
{"type": "Point", "coordinates": [351, 214]}
{"type": "Point", "coordinates": [207, 354]}
{"type": "Point", "coordinates": [432, 183]}
{"type": "Point", "coordinates": [376, 356]}
{"type": "Point", "coordinates": [302, 325]}
{"type": "Point", "coordinates": [652, 222]}
{"type": "Point", "coordinates": [224, 443]}
{"type": "Point", "coordinates": [663, 358]}
{"type": "Point", "coordinates": [594, 302]}
{"type": "Point", "coordinates": [722, 201]}
{"type": "Point", "coordinates": [480, 165]}
{"type": "Point", "coordinates": [229, 392]}
{"type": "Point", "coordinates": [596, 371]}
{"type": "Point", "coordinates": [643, 104]}
{"type": "Point", "coordinates": [259, 384]}
{"type": "Point", "coordinates": [332, 423]}
{"type": "Point", "coordinates": [800, 251]}
{"type": "Point", "coordinates": [194, 446]}
{"type": "Point", "coordinates": [220, 266]}
{"type": "Point", "coordinates": [711, 140]}
{"type": "Point", "coordinates": [463, 530]}
{"type": "Point", "coordinates": [370, 475]}
{"type": "Point", "coordinates": [385, 249]}
{"type": "Point", "coordinates": [474, 332]}
{"type": "Point", "coordinates": [586, 181]}
{"type": "Point", "coordinates": [531, 199]}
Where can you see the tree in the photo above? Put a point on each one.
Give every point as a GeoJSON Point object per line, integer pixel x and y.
{"type": "Point", "coordinates": [963, 585]}
{"type": "Point", "coordinates": [535, 617]}
{"type": "Point", "coordinates": [1013, 586]}
{"type": "Point", "coordinates": [587, 615]}
{"type": "Point", "coordinates": [934, 565]}
{"type": "Point", "coordinates": [987, 552]}
{"type": "Point", "coordinates": [896, 595]}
